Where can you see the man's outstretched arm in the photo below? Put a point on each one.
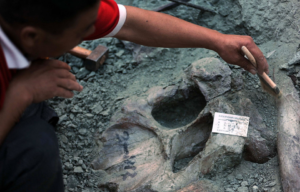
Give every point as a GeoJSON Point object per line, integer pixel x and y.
{"type": "Point", "coordinates": [161, 30]}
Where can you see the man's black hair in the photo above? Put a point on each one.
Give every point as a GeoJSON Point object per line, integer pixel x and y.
{"type": "Point", "coordinates": [51, 15]}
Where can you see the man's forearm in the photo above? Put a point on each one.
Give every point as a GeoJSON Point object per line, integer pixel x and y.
{"type": "Point", "coordinates": [14, 105]}
{"type": "Point", "coordinates": [161, 30]}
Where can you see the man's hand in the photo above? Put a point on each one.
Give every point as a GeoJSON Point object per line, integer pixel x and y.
{"type": "Point", "coordinates": [43, 80]}
{"type": "Point", "coordinates": [229, 49]}
{"type": "Point", "coordinates": [46, 79]}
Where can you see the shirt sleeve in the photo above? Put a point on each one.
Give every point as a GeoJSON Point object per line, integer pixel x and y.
{"type": "Point", "coordinates": [111, 18]}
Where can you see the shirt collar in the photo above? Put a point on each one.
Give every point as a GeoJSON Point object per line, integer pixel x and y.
{"type": "Point", "coordinates": [14, 58]}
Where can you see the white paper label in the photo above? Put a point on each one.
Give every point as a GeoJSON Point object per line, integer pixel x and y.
{"type": "Point", "coordinates": [231, 124]}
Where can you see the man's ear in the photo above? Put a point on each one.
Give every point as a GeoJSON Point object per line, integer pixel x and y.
{"type": "Point", "coordinates": [30, 37]}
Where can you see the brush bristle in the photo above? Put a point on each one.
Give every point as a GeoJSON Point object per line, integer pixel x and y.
{"type": "Point", "coordinates": [272, 91]}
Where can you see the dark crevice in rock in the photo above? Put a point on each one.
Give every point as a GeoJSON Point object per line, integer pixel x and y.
{"type": "Point", "coordinates": [177, 113]}
{"type": "Point", "coordinates": [196, 137]}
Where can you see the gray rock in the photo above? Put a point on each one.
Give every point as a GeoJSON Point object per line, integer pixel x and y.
{"type": "Point", "coordinates": [272, 184]}
{"type": "Point", "coordinates": [119, 65]}
{"type": "Point", "coordinates": [63, 118]}
{"type": "Point", "coordinates": [76, 159]}
{"type": "Point", "coordinates": [78, 170]}
{"type": "Point", "coordinates": [82, 73]}
{"type": "Point", "coordinates": [72, 126]}
{"type": "Point", "coordinates": [235, 187]}
{"type": "Point", "coordinates": [72, 182]}
{"type": "Point", "coordinates": [298, 75]}
{"type": "Point", "coordinates": [250, 181]}
{"type": "Point", "coordinates": [64, 138]}
{"type": "Point", "coordinates": [72, 116]}
{"type": "Point", "coordinates": [237, 82]}
{"type": "Point", "coordinates": [244, 184]}
{"type": "Point", "coordinates": [239, 177]}
{"type": "Point", "coordinates": [200, 186]}
{"type": "Point", "coordinates": [284, 66]}
{"type": "Point", "coordinates": [133, 125]}
{"type": "Point", "coordinates": [75, 60]}
{"type": "Point", "coordinates": [229, 146]}
{"type": "Point", "coordinates": [68, 165]}
{"type": "Point", "coordinates": [97, 108]}
{"type": "Point", "coordinates": [120, 53]}
{"type": "Point", "coordinates": [75, 70]}
{"type": "Point", "coordinates": [82, 131]}
{"type": "Point", "coordinates": [92, 74]}
{"type": "Point", "coordinates": [260, 143]}
{"type": "Point", "coordinates": [243, 189]}
{"type": "Point", "coordinates": [89, 115]}
{"type": "Point", "coordinates": [230, 178]}
{"type": "Point", "coordinates": [211, 76]}
{"type": "Point", "coordinates": [295, 60]}
{"type": "Point", "coordinates": [255, 189]}
{"type": "Point", "coordinates": [106, 112]}
{"type": "Point", "coordinates": [268, 55]}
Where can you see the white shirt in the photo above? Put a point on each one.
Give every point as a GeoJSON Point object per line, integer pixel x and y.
{"type": "Point", "coordinates": [14, 58]}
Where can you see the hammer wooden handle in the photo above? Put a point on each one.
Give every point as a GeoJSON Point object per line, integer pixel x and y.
{"type": "Point", "coordinates": [253, 61]}
{"type": "Point", "coordinates": [80, 52]}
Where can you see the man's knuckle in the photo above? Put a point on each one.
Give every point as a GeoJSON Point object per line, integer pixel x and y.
{"type": "Point", "coordinates": [67, 94]}
{"type": "Point", "coordinates": [69, 84]}
{"type": "Point", "coordinates": [250, 38]}
{"type": "Point", "coordinates": [55, 92]}
{"type": "Point", "coordinates": [54, 80]}
{"type": "Point", "coordinates": [71, 76]}
{"type": "Point", "coordinates": [249, 41]}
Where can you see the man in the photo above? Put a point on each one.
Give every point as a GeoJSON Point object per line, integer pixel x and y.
{"type": "Point", "coordinates": [35, 29]}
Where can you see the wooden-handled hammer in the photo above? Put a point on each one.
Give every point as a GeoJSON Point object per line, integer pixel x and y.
{"type": "Point", "coordinates": [93, 59]}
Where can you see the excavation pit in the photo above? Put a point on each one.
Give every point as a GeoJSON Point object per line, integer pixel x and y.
{"type": "Point", "coordinates": [180, 112]}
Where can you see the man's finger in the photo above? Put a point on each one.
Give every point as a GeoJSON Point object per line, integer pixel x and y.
{"type": "Point", "coordinates": [261, 61]}
{"type": "Point", "coordinates": [61, 92]}
{"type": "Point", "coordinates": [61, 73]}
{"type": "Point", "coordinates": [58, 64]}
{"type": "Point", "coordinates": [262, 65]}
{"type": "Point", "coordinates": [247, 65]}
{"type": "Point", "coordinates": [69, 84]}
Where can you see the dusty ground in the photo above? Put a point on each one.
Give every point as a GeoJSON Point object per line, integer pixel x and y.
{"type": "Point", "coordinates": [131, 70]}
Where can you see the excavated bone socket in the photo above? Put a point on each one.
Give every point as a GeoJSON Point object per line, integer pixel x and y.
{"type": "Point", "coordinates": [177, 112]}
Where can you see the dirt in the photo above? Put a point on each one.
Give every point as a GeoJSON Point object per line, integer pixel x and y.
{"type": "Point", "coordinates": [132, 69]}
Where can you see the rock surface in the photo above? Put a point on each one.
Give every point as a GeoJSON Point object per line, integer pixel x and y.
{"type": "Point", "coordinates": [136, 140]}
{"type": "Point", "coordinates": [273, 24]}
{"type": "Point", "coordinates": [202, 186]}
{"type": "Point", "coordinates": [288, 136]}
{"type": "Point", "coordinates": [211, 76]}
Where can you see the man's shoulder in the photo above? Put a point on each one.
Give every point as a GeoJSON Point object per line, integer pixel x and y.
{"type": "Point", "coordinates": [111, 17]}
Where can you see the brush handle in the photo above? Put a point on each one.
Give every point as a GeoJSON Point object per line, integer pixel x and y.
{"type": "Point", "coordinates": [253, 61]}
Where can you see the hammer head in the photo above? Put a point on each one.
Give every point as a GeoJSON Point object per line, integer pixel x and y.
{"type": "Point", "coordinates": [96, 58]}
